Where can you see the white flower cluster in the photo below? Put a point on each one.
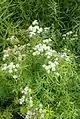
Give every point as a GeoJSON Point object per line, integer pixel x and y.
{"type": "Point", "coordinates": [13, 54]}
{"type": "Point", "coordinates": [11, 38]}
{"type": "Point", "coordinates": [46, 29]}
{"type": "Point", "coordinates": [51, 66]}
{"type": "Point", "coordinates": [26, 97]}
{"type": "Point", "coordinates": [16, 51]}
{"type": "Point", "coordinates": [41, 111]}
{"type": "Point", "coordinates": [64, 56]}
{"type": "Point", "coordinates": [34, 28]}
{"type": "Point", "coordinates": [11, 68]}
{"type": "Point", "coordinates": [35, 113]}
{"type": "Point", "coordinates": [6, 53]}
{"type": "Point", "coordinates": [67, 34]}
{"type": "Point", "coordinates": [43, 48]}
{"type": "Point", "coordinates": [32, 112]}
{"type": "Point", "coordinates": [47, 50]}
{"type": "Point", "coordinates": [47, 40]}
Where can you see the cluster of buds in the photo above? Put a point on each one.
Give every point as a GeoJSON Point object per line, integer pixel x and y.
{"type": "Point", "coordinates": [11, 69]}
{"type": "Point", "coordinates": [43, 48]}
{"type": "Point", "coordinates": [34, 29]}
{"type": "Point", "coordinates": [51, 66]}
{"type": "Point", "coordinates": [47, 40]}
{"type": "Point", "coordinates": [16, 52]}
{"type": "Point", "coordinates": [26, 97]}
{"type": "Point", "coordinates": [35, 113]}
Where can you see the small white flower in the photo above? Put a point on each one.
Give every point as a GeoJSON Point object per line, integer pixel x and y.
{"type": "Point", "coordinates": [17, 65]}
{"type": "Point", "coordinates": [48, 57]}
{"type": "Point", "coordinates": [53, 68]}
{"type": "Point", "coordinates": [4, 67]}
{"type": "Point", "coordinates": [30, 98]}
{"type": "Point", "coordinates": [49, 62]}
{"type": "Point", "coordinates": [30, 28]}
{"type": "Point", "coordinates": [37, 53]}
{"type": "Point", "coordinates": [53, 65]}
{"type": "Point", "coordinates": [8, 39]}
{"type": "Point", "coordinates": [4, 58]}
{"type": "Point", "coordinates": [45, 41]}
{"type": "Point", "coordinates": [35, 22]}
{"type": "Point", "coordinates": [44, 66]}
{"type": "Point", "coordinates": [29, 113]}
{"type": "Point", "coordinates": [14, 66]}
{"type": "Point", "coordinates": [64, 35]}
{"type": "Point", "coordinates": [42, 116]}
{"type": "Point", "coordinates": [15, 76]}
{"type": "Point", "coordinates": [29, 90]}
{"type": "Point", "coordinates": [34, 53]}
{"type": "Point", "coordinates": [40, 30]}
{"type": "Point", "coordinates": [40, 105]}
{"type": "Point", "coordinates": [41, 110]}
{"type": "Point", "coordinates": [26, 89]}
{"type": "Point", "coordinates": [48, 48]}
{"type": "Point", "coordinates": [23, 97]}
{"type": "Point", "coordinates": [67, 59]}
{"type": "Point", "coordinates": [12, 38]}
{"type": "Point", "coordinates": [20, 58]}
{"type": "Point", "coordinates": [41, 49]}
{"type": "Point", "coordinates": [65, 54]}
{"type": "Point", "coordinates": [56, 62]}
{"type": "Point", "coordinates": [8, 49]}
{"type": "Point", "coordinates": [10, 71]}
{"type": "Point", "coordinates": [31, 34]}
{"type": "Point", "coordinates": [62, 56]}
{"type": "Point", "coordinates": [37, 47]}
{"type": "Point", "coordinates": [69, 33]}
{"type": "Point", "coordinates": [28, 44]}
{"type": "Point", "coordinates": [44, 46]}
{"type": "Point", "coordinates": [47, 67]}
{"type": "Point", "coordinates": [57, 74]}
{"type": "Point", "coordinates": [27, 117]}
{"type": "Point", "coordinates": [15, 70]}
{"type": "Point", "coordinates": [21, 101]}
{"type": "Point", "coordinates": [6, 55]}
{"type": "Point", "coordinates": [36, 27]}
{"type": "Point", "coordinates": [11, 63]}
{"type": "Point", "coordinates": [56, 59]}
{"type": "Point", "coordinates": [65, 49]}
{"type": "Point", "coordinates": [31, 103]}
{"type": "Point", "coordinates": [49, 40]}
{"type": "Point", "coordinates": [46, 29]}
{"type": "Point", "coordinates": [48, 53]}
{"type": "Point", "coordinates": [15, 46]}
{"type": "Point", "coordinates": [48, 71]}
{"type": "Point", "coordinates": [23, 55]}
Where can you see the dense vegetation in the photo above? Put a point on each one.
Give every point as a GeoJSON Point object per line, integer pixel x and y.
{"type": "Point", "coordinates": [39, 59]}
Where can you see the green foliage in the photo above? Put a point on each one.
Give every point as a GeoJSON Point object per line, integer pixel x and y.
{"type": "Point", "coordinates": [51, 70]}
